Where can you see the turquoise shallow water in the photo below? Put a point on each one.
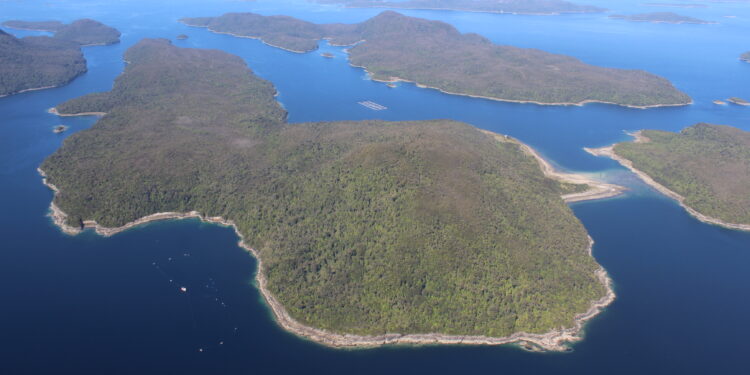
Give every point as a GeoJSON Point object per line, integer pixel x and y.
{"type": "Point", "coordinates": [91, 305]}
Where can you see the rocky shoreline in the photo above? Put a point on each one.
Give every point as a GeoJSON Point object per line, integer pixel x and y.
{"type": "Point", "coordinates": [609, 152]}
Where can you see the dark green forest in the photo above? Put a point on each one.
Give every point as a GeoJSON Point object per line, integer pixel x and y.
{"type": "Point", "coordinates": [42, 61]}
{"type": "Point", "coordinates": [364, 227]}
{"type": "Point", "coordinates": [707, 164]}
{"type": "Point", "coordinates": [36, 62]}
{"type": "Point", "coordinates": [84, 31]}
{"type": "Point", "coordinates": [435, 54]}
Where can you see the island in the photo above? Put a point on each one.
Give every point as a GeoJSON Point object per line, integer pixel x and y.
{"type": "Point", "coordinates": [59, 129]}
{"type": "Point", "coordinates": [660, 17]}
{"type": "Point", "coordinates": [42, 62]}
{"type": "Point", "coordinates": [705, 167]}
{"type": "Point", "coordinates": [745, 56]}
{"type": "Point", "coordinates": [181, 37]}
{"type": "Point", "coordinates": [327, 55]}
{"type": "Point", "coordinates": [393, 47]}
{"type": "Point", "coordinates": [49, 26]}
{"type": "Point", "coordinates": [677, 5]}
{"type": "Point", "coordinates": [720, 102]}
{"type": "Point", "coordinates": [738, 101]}
{"type": "Point", "coordinates": [37, 62]}
{"type": "Point", "coordinates": [366, 232]}
{"type": "Point", "coordinates": [86, 32]}
{"type": "Point", "coordinates": [536, 7]}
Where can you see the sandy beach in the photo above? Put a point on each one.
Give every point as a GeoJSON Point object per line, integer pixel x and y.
{"type": "Point", "coordinates": [638, 138]}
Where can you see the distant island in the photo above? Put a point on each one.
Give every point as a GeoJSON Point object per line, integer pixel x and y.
{"type": "Point", "coordinates": [677, 5]}
{"type": "Point", "coordinates": [745, 56]}
{"type": "Point", "coordinates": [34, 63]}
{"type": "Point", "coordinates": [706, 168]}
{"type": "Point", "coordinates": [545, 7]}
{"type": "Point", "coordinates": [50, 26]}
{"type": "Point", "coordinates": [393, 47]}
{"type": "Point", "coordinates": [85, 32]}
{"type": "Point", "coordinates": [738, 101]}
{"type": "Point", "coordinates": [660, 17]}
{"type": "Point", "coordinates": [366, 232]}
{"type": "Point", "coordinates": [41, 62]}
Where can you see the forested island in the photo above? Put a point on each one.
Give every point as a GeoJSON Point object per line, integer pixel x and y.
{"type": "Point", "coordinates": [37, 62]}
{"type": "Point", "coordinates": [659, 17]}
{"type": "Point", "coordinates": [366, 232]}
{"type": "Point", "coordinates": [85, 32]}
{"type": "Point", "coordinates": [434, 54]}
{"type": "Point", "coordinates": [41, 62]}
{"type": "Point", "coordinates": [545, 7]}
{"type": "Point", "coordinates": [704, 167]}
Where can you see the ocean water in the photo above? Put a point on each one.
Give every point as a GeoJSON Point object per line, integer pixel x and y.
{"type": "Point", "coordinates": [92, 305]}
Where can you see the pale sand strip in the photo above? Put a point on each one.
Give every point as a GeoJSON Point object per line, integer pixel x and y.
{"type": "Point", "coordinates": [554, 340]}
{"type": "Point", "coordinates": [54, 111]}
{"type": "Point", "coordinates": [597, 189]}
{"type": "Point", "coordinates": [28, 90]}
{"type": "Point", "coordinates": [577, 104]}
{"type": "Point", "coordinates": [609, 152]}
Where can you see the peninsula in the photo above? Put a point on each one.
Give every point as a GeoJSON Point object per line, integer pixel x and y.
{"type": "Point", "coordinates": [660, 17]}
{"type": "Point", "coordinates": [39, 62]}
{"type": "Point", "coordinates": [86, 32]}
{"type": "Point", "coordinates": [366, 232]}
{"type": "Point", "coordinates": [394, 47]}
{"type": "Point", "coordinates": [540, 7]}
{"type": "Point", "coordinates": [706, 168]}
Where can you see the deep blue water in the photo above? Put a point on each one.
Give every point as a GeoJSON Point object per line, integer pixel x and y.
{"type": "Point", "coordinates": [91, 305]}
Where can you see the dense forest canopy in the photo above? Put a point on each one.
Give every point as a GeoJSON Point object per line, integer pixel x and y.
{"type": "Point", "coordinates": [41, 61]}
{"type": "Point", "coordinates": [707, 164]}
{"type": "Point", "coordinates": [435, 54]}
{"type": "Point", "coordinates": [362, 227]}
{"type": "Point", "coordinates": [37, 62]}
{"type": "Point", "coordinates": [84, 31]}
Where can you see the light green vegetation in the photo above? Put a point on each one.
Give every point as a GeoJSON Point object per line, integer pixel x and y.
{"type": "Point", "coordinates": [435, 54]}
{"type": "Point", "coordinates": [709, 165]}
{"type": "Point", "coordinates": [363, 227]}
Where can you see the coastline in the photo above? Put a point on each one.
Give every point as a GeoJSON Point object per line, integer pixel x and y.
{"type": "Point", "coordinates": [28, 90]}
{"type": "Point", "coordinates": [554, 340]}
{"type": "Point", "coordinates": [597, 189]}
{"type": "Point", "coordinates": [247, 37]}
{"type": "Point", "coordinates": [577, 104]}
{"type": "Point", "coordinates": [54, 111]}
{"type": "Point", "coordinates": [609, 152]}
{"type": "Point", "coordinates": [398, 79]}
